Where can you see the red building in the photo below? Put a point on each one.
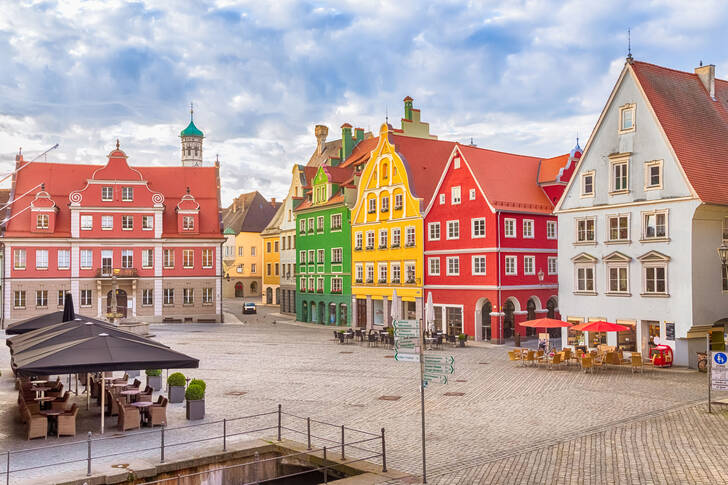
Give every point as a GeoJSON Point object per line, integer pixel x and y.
{"type": "Point", "coordinates": [491, 241]}
{"type": "Point", "coordinates": [74, 226]}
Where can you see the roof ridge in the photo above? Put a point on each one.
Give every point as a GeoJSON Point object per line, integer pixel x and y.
{"type": "Point", "coordinates": [470, 147]}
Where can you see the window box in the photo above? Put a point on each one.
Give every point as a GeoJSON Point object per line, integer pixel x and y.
{"type": "Point", "coordinates": [358, 280]}
{"type": "Point", "coordinates": [357, 248]}
{"type": "Point", "coordinates": [395, 245]}
{"type": "Point", "coordinates": [320, 290]}
{"type": "Point", "coordinates": [382, 281]}
{"type": "Point", "coordinates": [382, 246]}
{"type": "Point", "coordinates": [398, 207]}
{"type": "Point", "coordinates": [410, 244]}
{"type": "Point", "coordinates": [370, 280]}
{"type": "Point", "coordinates": [369, 247]}
{"type": "Point", "coordinates": [410, 281]}
{"type": "Point", "coordinates": [395, 281]}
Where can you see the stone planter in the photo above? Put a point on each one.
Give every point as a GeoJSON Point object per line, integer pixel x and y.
{"type": "Point", "coordinates": [176, 394]}
{"type": "Point", "coordinates": [461, 342]}
{"type": "Point", "coordinates": [133, 373]}
{"type": "Point", "coordinates": [155, 382]}
{"type": "Point", "coordinates": [196, 409]}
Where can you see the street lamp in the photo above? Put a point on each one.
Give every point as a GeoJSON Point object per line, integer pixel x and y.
{"type": "Point", "coordinates": [540, 273]}
{"type": "Point", "coordinates": [227, 277]}
{"type": "Point", "coordinates": [723, 253]}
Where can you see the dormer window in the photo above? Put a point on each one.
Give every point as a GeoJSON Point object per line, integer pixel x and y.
{"type": "Point", "coordinates": [41, 221]}
{"type": "Point", "coordinates": [107, 193]}
{"type": "Point", "coordinates": [627, 118]}
{"type": "Point", "coordinates": [188, 223]}
{"type": "Point", "coordinates": [127, 194]}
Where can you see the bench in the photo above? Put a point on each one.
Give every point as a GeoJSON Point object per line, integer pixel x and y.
{"type": "Point", "coordinates": [206, 320]}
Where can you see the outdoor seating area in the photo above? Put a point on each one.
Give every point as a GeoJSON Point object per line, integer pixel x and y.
{"type": "Point", "coordinates": [385, 338]}
{"type": "Point", "coordinates": [601, 359]}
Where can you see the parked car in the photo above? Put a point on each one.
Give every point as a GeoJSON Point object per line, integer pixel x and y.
{"type": "Point", "coordinates": [249, 307]}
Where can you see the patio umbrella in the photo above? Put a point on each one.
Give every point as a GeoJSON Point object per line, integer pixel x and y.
{"type": "Point", "coordinates": [599, 326]}
{"type": "Point", "coordinates": [17, 340]}
{"type": "Point", "coordinates": [394, 312]}
{"type": "Point", "coordinates": [40, 321]}
{"type": "Point", "coordinates": [430, 312]}
{"type": "Point", "coordinates": [68, 313]}
{"type": "Point", "coordinates": [545, 323]}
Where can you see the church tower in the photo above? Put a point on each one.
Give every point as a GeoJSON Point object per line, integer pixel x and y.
{"type": "Point", "coordinates": [191, 143]}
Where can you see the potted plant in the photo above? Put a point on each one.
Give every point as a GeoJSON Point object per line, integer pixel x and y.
{"type": "Point", "coordinates": [195, 396]}
{"type": "Point", "coordinates": [461, 339]}
{"type": "Point", "coordinates": [176, 387]}
{"type": "Point", "coordinates": [154, 378]}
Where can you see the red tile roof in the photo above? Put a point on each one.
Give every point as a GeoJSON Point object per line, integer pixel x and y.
{"type": "Point", "coordinates": [695, 125]}
{"type": "Point", "coordinates": [551, 168]}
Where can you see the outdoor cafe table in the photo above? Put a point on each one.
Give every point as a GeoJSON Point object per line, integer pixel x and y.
{"type": "Point", "coordinates": [38, 382]}
{"type": "Point", "coordinates": [43, 400]}
{"type": "Point", "coordinates": [129, 393]}
{"type": "Point", "coordinates": [40, 390]}
{"type": "Point", "coordinates": [52, 420]}
{"type": "Point", "coordinates": [143, 405]}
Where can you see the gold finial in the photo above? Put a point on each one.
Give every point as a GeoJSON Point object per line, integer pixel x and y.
{"type": "Point", "coordinates": [192, 111]}
{"type": "Point", "coordinates": [117, 143]}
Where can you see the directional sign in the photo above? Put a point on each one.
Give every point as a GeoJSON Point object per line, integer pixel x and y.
{"type": "Point", "coordinates": [439, 369]}
{"type": "Point", "coordinates": [405, 324]}
{"type": "Point", "coordinates": [399, 333]}
{"type": "Point", "coordinates": [435, 378]}
{"type": "Point", "coordinates": [400, 357]}
{"type": "Point", "coordinates": [438, 359]}
{"type": "Point", "coordinates": [719, 371]}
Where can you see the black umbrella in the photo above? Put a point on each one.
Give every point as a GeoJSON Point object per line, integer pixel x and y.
{"type": "Point", "coordinates": [68, 313]}
{"type": "Point", "coordinates": [41, 321]}
{"type": "Point", "coordinates": [51, 328]}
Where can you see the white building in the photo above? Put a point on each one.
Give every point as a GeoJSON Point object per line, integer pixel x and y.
{"type": "Point", "coordinates": [641, 219]}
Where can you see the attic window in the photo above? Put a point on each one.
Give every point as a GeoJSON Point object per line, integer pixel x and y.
{"type": "Point", "coordinates": [41, 221]}
{"type": "Point", "coordinates": [627, 118]}
{"type": "Point", "coordinates": [127, 194]}
{"type": "Point", "coordinates": [385, 171]}
{"type": "Point", "coordinates": [188, 223]}
{"type": "Point", "coordinates": [456, 162]}
{"type": "Point", "coordinates": [107, 193]}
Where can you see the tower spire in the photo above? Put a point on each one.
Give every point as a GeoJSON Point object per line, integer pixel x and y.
{"type": "Point", "coordinates": [629, 45]}
{"type": "Point", "coordinates": [192, 111]}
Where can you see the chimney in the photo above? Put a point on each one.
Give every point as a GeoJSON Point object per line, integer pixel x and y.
{"type": "Point", "coordinates": [347, 142]}
{"type": "Point", "coordinates": [408, 108]}
{"type": "Point", "coordinates": [359, 134]}
{"type": "Point", "coordinates": [321, 132]}
{"type": "Point", "coordinates": [19, 156]}
{"type": "Point", "coordinates": [273, 202]}
{"type": "Point", "coordinates": [706, 74]}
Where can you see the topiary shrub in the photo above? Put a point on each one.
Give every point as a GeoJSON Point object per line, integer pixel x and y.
{"type": "Point", "coordinates": [176, 379]}
{"type": "Point", "coordinates": [154, 372]}
{"type": "Point", "coordinates": [194, 392]}
{"type": "Point", "coordinates": [200, 383]}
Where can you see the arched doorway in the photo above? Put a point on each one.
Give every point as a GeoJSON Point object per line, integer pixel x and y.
{"type": "Point", "coordinates": [343, 314]}
{"type": "Point", "coordinates": [269, 295]}
{"type": "Point", "coordinates": [508, 322]}
{"type": "Point", "coordinates": [332, 313]}
{"type": "Point", "coordinates": [321, 312]}
{"type": "Point", "coordinates": [254, 287]}
{"type": "Point", "coordinates": [551, 313]}
{"type": "Point", "coordinates": [278, 296]}
{"type": "Point", "coordinates": [120, 302]}
{"type": "Point", "coordinates": [312, 310]}
{"type": "Point", "coordinates": [531, 315]}
{"type": "Point", "coordinates": [304, 312]}
{"type": "Point", "coordinates": [238, 290]}
{"type": "Point", "coordinates": [485, 320]}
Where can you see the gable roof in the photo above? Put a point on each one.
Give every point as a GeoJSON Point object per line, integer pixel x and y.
{"type": "Point", "coordinates": [551, 168]}
{"type": "Point", "coordinates": [249, 212]}
{"type": "Point", "coordinates": [331, 149]}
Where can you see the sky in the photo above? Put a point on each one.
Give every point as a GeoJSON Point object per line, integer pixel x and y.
{"type": "Point", "coordinates": [518, 76]}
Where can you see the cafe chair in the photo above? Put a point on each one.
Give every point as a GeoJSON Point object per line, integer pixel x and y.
{"type": "Point", "coordinates": [67, 422]}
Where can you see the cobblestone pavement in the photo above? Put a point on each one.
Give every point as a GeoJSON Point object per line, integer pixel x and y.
{"type": "Point", "coordinates": [510, 425]}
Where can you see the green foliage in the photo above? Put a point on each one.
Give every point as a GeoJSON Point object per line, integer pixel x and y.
{"type": "Point", "coordinates": [200, 383]}
{"type": "Point", "coordinates": [390, 331]}
{"type": "Point", "coordinates": [194, 392]}
{"type": "Point", "coordinates": [462, 336]}
{"type": "Point", "coordinates": [154, 372]}
{"type": "Point", "coordinates": [176, 379]}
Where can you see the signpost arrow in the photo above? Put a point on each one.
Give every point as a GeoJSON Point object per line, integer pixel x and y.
{"type": "Point", "coordinates": [435, 378]}
{"type": "Point", "coordinates": [437, 359]}
{"type": "Point", "coordinates": [405, 324]}
{"type": "Point", "coordinates": [400, 357]}
{"type": "Point", "coordinates": [439, 369]}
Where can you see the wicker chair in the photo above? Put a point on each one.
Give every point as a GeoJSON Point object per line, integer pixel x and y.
{"type": "Point", "coordinates": [67, 422]}
{"type": "Point", "coordinates": [158, 413]}
{"type": "Point", "coordinates": [146, 395]}
{"type": "Point", "coordinates": [56, 390]}
{"type": "Point", "coordinates": [60, 403]}
{"type": "Point", "coordinates": [122, 380]}
{"type": "Point", "coordinates": [135, 385]}
{"type": "Point", "coordinates": [37, 425]}
{"type": "Point", "coordinates": [113, 404]}
{"type": "Point", "coordinates": [129, 417]}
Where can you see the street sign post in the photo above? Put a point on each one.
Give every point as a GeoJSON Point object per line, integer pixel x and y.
{"type": "Point", "coordinates": [435, 378]}
{"type": "Point", "coordinates": [406, 357]}
{"type": "Point", "coordinates": [439, 369]}
{"type": "Point", "coordinates": [439, 359]}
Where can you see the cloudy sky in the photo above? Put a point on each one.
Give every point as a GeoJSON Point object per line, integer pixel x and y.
{"type": "Point", "coordinates": [521, 76]}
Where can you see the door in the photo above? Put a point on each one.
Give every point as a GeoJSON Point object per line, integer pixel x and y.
{"type": "Point", "coordinates": [107, 262]}
{"type": "Point", "coordinates": [531, 315]}
{"type": "Point", "coordinates": [278, 296]}
{"type": "Point", "coordinates": [361, 313]}
{"type": "Point", "coordinates": [120, 302]}
{"type": "Point", "coordinates": [508, 310]}
{"type": "Point", "coordinates": [485, 320]}
{"type": "Point", "coordinates": [269, 295]}
{"type": "Point", "coordinates": [238, 290]}
{"type": "Point", "coordinates": [321, 312]}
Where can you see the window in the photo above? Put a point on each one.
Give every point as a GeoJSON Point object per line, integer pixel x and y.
{"type": "Point", "coordinates": [207, 258]}
{"type": "Point", "coordinates": [529, 265]}
{"type": "Point", "coordinates": [107, 262]}
{"type": "Point", "coordinates": [396, 273]}
{"type": "Point", "coordinates": [370, 273]}
{"type": "Point", "coordinates": [654, 225]}
{"type": "Point", "coordinates": [310, 224]}
{"type": "Point", "coordinates": [511, 265]}
{"type": "Point", "coordinates": [397, 201]}
{"type": "Point", "coordinates": [455, 195]}
{"type": "Point", "coordinates": [725, 276]}
{"type": "Point", "coordinates": [618, 278]}
{"type": "Point", "coordinates": [370, 239]}
{"type": "Point", "coordinates": [453, 229]}
{"type": "Point", "coordinates": [147, 297]}
{"type": "Point", "coordinates": [320, 285]}
{"type": "Point", "coordinates": [107, 193]}
{"type": "Point", "coordinates": [188, 296]}
{"type": "Point", "coordinates": [252, 250]}
{"type": "Point", "coordinates": [335, 222]}
{"type": "Point", "coordinates": [551, 232]}
{"type": "Point", "coordinates": [41, 221]}
{"type": "Point", "coordinates": [359, 273]}
{"type": "Point", "coordinates": [337, 285]}
{"type": "Point", "coordinates": [61, 298]}
{"type": "Point", "coordinates": [453, 266]}
{"type": "Point", "coordinates": [385, 204]}
{"type": "Point", "coordinates": [409, 272]}
{"type": "Point", "coordinates": [396, 237]}
{"type": "Point", "coordinates": [320, 256]}
{"type": "Point", "coordinates": [302, 227]}
{"type": "Point", "coordinates": [41, 259]}
{"type": "Point", "coordinates": [478, 265]}
{"type": "Point", "coordinates": [188, 258]}
{"type": "Point", "coordinates": [626, 118]}
{"type": "Point", "coordinates": [169, 296]}
{"type": "Point", "coordinates": [653, 175]}
{"type": "Point", "coordinates": [472, 194]}
{"type": "Point", "coordinates": [383, 237]}
{"type": "Point", "coordinates": [107, 223]}
{"type": "Point", "coordinates": [275, 246]}
{"type": "Point", "coordinates": [434, 266]}
{"type": "Point", "coordinates": [553, 263]}
{"type": "Point", "coordinates": [433, 231]}
{"type": "Point", "coordinates": [655, 279]}
{"type": "Point", "coordinates": [127, 194]}
{"type": "Point", "coordinates": [19, 299]}
{"type": "Point", "coordinates": [127, 223]}
{"type": "Point", "coordinates": [442, 199]}
{"type": "Point", "coordinates": [147, 258]}
{"type": "Point", "coordinates": [528, 228]}
{"type": "Point", "coordinates": [240, 251]}
{"type": "Point", "coordinates": [585, 278]}
{"type": "Point", "coordinates": [311, 284]}
{"type": "Point", "coordinates": [358, 241]}
{"type": "Point", "coordinates": [620, 169]}
{"type": "Point", "coordinates": [85, 297]}
{"type": "Point", "coordinates": [477, 227]}
{"type": "Point", "coordinates": [456, 163]}
{"type": "Point", "coordinates": [372, 206]}
{"type": "Point", "coordinates": [169, 258]}
{"type": "Point", "coordinates": [382, 272]}
{"type": "Point", "coordinates": [19, 258]}
{"type": "Point", "coordinates": [410, 235]}
{"type": "Point", "coordinates": [276, 265]}
{"type": "Point", "coordinates": [188, 223]}
{"type": "Point", "coordinates": [41, 298]}
{"type": "Point", "coordinates": [252, 268]}
{"type": "Point", "coordinates": [147, 223]}
{"type": "Point", "coordinates": [240, 268]}
{"type": "Point", "coordinates": [618, 227]}
{"type": "Point", "coordinates": [303, 284]}
{"type": "Point", "coordinates": [302, 256]}
{"type": "Point", "coordinates": [337, 255]}
{"type": "Point", "coordinates": [64, 259]}
{"type": "Point", "coordinates": [87, 223]}
{"type": "Point", "coordinates": [585, 230]}
{"type": "Point", "coordinates": [127, 258]}
{"type": "Point", "coordinates": [267, 247]}
{"type": "Point", "coordinates": [86, 259]}
{"type": "Point", "coordinates": [509, 227]}
{"type": "Point", "coordinates": [320, 223]}
{"type": "Point", "coordinates": [311, 256]}
{"type": "Point", "coordinates": [587, 184]}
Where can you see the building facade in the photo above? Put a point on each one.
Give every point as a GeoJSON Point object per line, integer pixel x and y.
{"type": "Point", "coordinates": [271, 270]}
{"type": "Point", "coordinates": [152, 231]}
{"type": "Point", "coordinates": [287, 236]}
{"type": "Point", "coordinates": [645, 211]}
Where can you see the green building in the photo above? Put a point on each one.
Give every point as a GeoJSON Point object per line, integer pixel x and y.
{"type": "Point", "coordinates": [323, 246]}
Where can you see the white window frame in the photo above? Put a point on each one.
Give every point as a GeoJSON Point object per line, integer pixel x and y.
{"type": "Point", "coordinates": [65, 261]}
{"type": "Point", "coordinates": [395, 272]}
{"type": "Point", "coordinates": [655, 213]}
{"type": "Point", "coordinates": [188, 296]}
{"type": "Point", "coordinates": [648, 176]}
{"type": "Point", "coordinates": [168, 258]}
{"type": "Point", "coordinates": [442, 199]}
{"type": "Point", "coordinates": [87, 297]}
{"type": "Point", "coordinates": [302, 227]}
{"type": "Point", "coordinates": [369, 271]}
{"type": "Point", "coordinates": [455, 195]}
{"type": "Point", "coordinates": [302, 256]}
{"type": "Point", "coordinates": [41, 259]}
{"type": "Point", "coordinates": [577, 221]}
{"type": "Point", "coordinates": [456, 163]}
{"type": "Point", "coordinates": [147, 223]}
{"type": "Point", "coordinates": [510, 265]}
{"type": "Point", "coordinates": [208, 296]}
{"type": "Point", "coordinates": [398, 201]}
{"type": "Point", "coordinates": [410, 269]}
{"type": "Point", "coordinates": [552, 230]}
{"type": "Point", "coordinates": [104, 226]}
{"type": "Point", "coordinates": [320, 224]}
{"type": "Point", "coordinates": [433, 227]}
{"type": "Point", "coordinates": [476, 262]}
{"type": "Point", "coordinates": [320, 256]}
{"type": "Point", "coordinates": [127, 194]}
{"type": "Point", "coordinates": [630, 107]}
{"type": "Point", "coordinates": [188, 258]}
{"type": "Point", "coordinates": [86, 257]}
{"type": "Point", "coordinates": [528, 234]}
{"type": "Point", "coordinates": [337, 255]}
{"type": "Point", "coordinates": [585, 267]}
{"type": "Point", "coordinates": [383, 239]}
{"type": "Point", "coordinates": [370, 239]}
{"type": "Point", "coordinates": [432, 271]}
{"type": "Point", "coordinates": [529, 260]}
{"type": "Point", "coordinates": [380, 279]}
{"type": "Point", "coordinates": [106, 189]}
{"type": "Point", "coordinates": [372, 206]}
{"type": "Point", "coordinates": [41, 298]}
{"type": "Point", "coordinates": [452, 227]}
{"type": "Point", "coordinates": [608, 228]}
{"type": "Point", "coordinates": [553, 265]}
{"type": "Point", "coordinates": [472, 194]}
{"type": "Point", "coordinates": [19, 300]}
{"type": "Point", "coordinates": [358, 240]}
{"type": "Point", "coordinates": [168, 296]}
{"type": "Point", "coordinates": [207, 258]}
{"type": "Point", "coordinates": [20, 260]}
{"type": "Point", "coordinates": [87, 222]}
{"type": "Point", "coordinates": [337, 285]}
{"type": "Point", "coordinates": [410, 230]}
{"type": "Point", "coordinates": [127, 258]}
{"type": "Point", "coordinates": [449, 270]}
{"type": "Point", "coordinates": [42, 221]}
{"type": "Point", "coordinates": [582, 180]}
{"type": "Point", "coordinates": [509, 227]}
{"type": "Point", "coordinates": [127, 223]}
{"type": "Point", "coordinates": [359, 273]}
{"type": "Point", "coordinates": [613, 164]}
{"type": "Point", "coordinates": [396, 237]}
{"type": "Point", "coordinates": [654, 265]}
{"type": "Point", "coordinates": [147, 297]}
{"type": "Point", "coordinates": [474, 234]}
{"type": "Point", "coordinates": [608, 277]}
{"type": "Point", "coordinates": [147, 258]}
{"type": "Point", "coordinates": [188, 223]}
{"type": "Point", "coordinates": [335, 222]}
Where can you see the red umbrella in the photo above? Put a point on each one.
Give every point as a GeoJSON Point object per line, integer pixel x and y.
{"type": "Point", "coordinates": [600, 326]}
{"type": "Point", "coordinates": [545, 323]}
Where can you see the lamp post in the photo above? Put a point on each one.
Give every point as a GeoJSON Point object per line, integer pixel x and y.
{"type": "Point", "coordinates": [540, 274]}
{"type": "Point", "coordinates": [723, 253]}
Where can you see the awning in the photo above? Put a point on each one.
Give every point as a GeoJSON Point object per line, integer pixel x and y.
{"type": "Point", "coordinates": [40, 321]}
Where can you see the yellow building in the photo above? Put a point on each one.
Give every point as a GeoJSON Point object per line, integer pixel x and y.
{"type": "Point", "coordinates": [397, 180]}
{"type": "Point", "coordinates": [271, 268]}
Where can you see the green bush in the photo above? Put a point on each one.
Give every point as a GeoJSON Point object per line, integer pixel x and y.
{"type": "Point", "coordinates": [176, 379]}
{"type": "Point", "coordinates": [200, 383]}
{"type": "Point", "coordinates": [462, 336]}
{"type": "Point", "coordinates": [154, 372]}
{"type": "Point", "coordinates": [194, 392]}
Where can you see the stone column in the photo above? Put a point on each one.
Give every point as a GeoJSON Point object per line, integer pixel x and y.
{"type": "Point", "coordinates": [353, 312]}
{"type": "Point", "coordinates": [370, 312]}
{"type": "Point", "coordinates": [418, 309]}
{"type": "Point", "coordinates": [385, 308]}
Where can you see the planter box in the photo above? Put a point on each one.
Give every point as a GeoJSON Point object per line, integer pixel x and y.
{"type": "Point", "coordinates": [176, 394]}
{"type": "Point", "coordinates": [155, 382]}
{"type": "Point", "coordinates": [133, 373]}
{"type": "Point", "coordinates": [196, 409]}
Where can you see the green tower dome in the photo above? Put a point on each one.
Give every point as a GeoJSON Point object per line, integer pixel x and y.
{"type": "Point", "coordinates": [191, 130]}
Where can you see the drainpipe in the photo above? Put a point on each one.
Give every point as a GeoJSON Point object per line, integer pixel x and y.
{"type": "Point", "coordinates": [501, 340]}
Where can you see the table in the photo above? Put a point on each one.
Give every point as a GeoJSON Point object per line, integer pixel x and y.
{"type": "Point", "coordinates": [38, 382]}
{"type": "Point", "coordinates": [120, 384]}
{"type": "Point", "coordinates": [43, 400]}
{"type": "Point", "coordinates": [142, 405]}
{"type": "Point", "coordinates": [40, 390]}
{"type": "Point", "coordinates": [52, 423]}
{"type": "Point", "coordinates": [129, 393]}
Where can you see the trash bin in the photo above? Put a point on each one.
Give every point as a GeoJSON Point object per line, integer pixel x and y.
{"type": "Point", "coordinates": [517, 339]}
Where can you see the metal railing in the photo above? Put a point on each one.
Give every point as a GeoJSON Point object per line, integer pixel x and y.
{"type": "Point", "coordinates": [223, 436]}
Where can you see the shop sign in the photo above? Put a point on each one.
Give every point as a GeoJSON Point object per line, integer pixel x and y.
{"type": "Point", "coordinates": [719, 371]}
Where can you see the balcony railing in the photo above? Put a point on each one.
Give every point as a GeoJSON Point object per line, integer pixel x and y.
{"type": "Point", "coordinates": [410, 244]}
{"type": "Point", "coordinates": [383, 246]}
{"type": "Point", "coordinates": [357, 248]}
{"type": "Point", "coordinates": [120, 272]}
{"type": "Point", "coordinates": [395, 245]}
{"type": "Point", "coordinates": [359, 280]}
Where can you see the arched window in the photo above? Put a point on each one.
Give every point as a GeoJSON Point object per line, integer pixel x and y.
{"type": "Point", "coordinates": [551, 307]}
{"type": "Point", "coordinates": [385, 170]}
